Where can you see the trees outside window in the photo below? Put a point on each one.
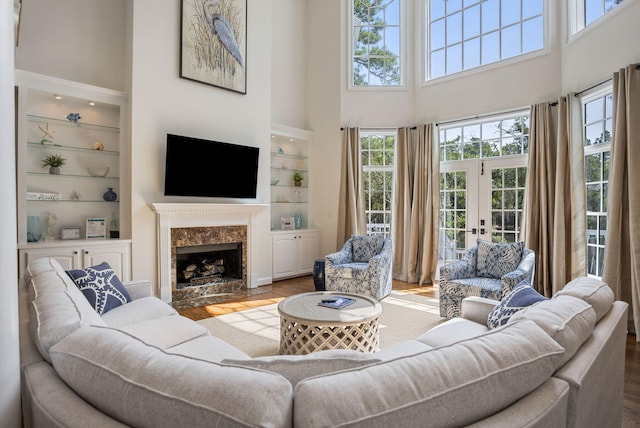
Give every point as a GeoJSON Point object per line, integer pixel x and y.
{"type": "Point", "coordinates": [378, 154]}
{"type": "Point", "coordinates": [376, 43]}
{"type": "Point", "coordinates": [597, 125]}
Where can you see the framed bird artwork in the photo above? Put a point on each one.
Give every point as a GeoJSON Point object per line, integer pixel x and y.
{"type": "Point", "coordinates": [213, 48]}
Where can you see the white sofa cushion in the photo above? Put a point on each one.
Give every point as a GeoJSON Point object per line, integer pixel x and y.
{"type": "Point", "coordinates": [143, 309]}
{"type": "Point", "coordinates": [207, 348]}
{"type": "Point", "coordinates": [298, 367]}
{"type": "Point", "coordinates": [569, 320]}
{"type": "Point", "coordinates": [591, 290]}
{"type": "Point", "coordinates": [146, 387]}
{"type": "Point", "coordinates": [165, 332]}
{"type": "Point", "coordinates": [452, 331]}
{"type": "Point", "coordinates": [446, 386]}
{"type": "Point", "coordinates": [57, 306]}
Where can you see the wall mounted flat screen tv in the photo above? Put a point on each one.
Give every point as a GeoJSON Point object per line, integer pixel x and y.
{"type": "Point", "coordinates": [197, 167]}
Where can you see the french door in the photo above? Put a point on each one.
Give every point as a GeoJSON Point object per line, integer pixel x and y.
{"type": "Point", "coordinates": [479, 199]}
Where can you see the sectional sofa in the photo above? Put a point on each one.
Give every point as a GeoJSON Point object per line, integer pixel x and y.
{"type": "Point", "coordinates": [557, 363]}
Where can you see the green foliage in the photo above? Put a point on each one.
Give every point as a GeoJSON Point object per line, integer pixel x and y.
{"type": "Point", "coordinates": [369, 56]}
{"type": "Point", "coordinates": [53, 161]}
{"type": "Point", "coordinates": [297, 176]}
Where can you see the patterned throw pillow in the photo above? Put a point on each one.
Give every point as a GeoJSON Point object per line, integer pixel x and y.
{"type": "Point", "coordinates": [519, 298]}
{"type": "Point", "coordinates": [101, 286]}
{"type": "Point", "coordinates": [496, 260]}
{"type": "Point", "coordinates": [365, 247]}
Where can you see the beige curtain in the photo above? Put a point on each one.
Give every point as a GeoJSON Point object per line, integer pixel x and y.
{"type": "Point", "coordinates": [540, 195]}
{"type": "Point", "coordinates": [622, 248]}
{"type": "Point", "coordinates": [351, 212]}
{"type": "Point", "coordinates": [416, 206]}
{"type": "Point", "coordinates": [569, 225]}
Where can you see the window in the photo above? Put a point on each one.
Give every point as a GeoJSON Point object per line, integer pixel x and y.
{"type": "Point", "coordinates": [483, 170]}
{"type": "Point", "coordinates": [597, 132]}
{"type": "Point", "coordinates": [378, 153]}
{"type": "Point", "coordinates": [585, 12]}
{"type": "Point", "coordinates": [376, 43]}
{"type": "Point", "coordinates": [462, 35]}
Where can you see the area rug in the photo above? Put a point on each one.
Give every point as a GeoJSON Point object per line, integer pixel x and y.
{"type": "Point", "coordinates": [257, 331]}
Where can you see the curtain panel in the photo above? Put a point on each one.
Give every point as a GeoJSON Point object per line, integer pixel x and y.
{"type": "Point", "coordinates": [622, 248]}
{"type": "Point", "coordinates": [416, 205]}
{"type": "Point", "coordinates": [351, 211]}
{"type": "Point", "coordinates": [540, 195]}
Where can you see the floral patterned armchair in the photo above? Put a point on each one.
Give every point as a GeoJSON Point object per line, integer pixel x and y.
{"type": "Point", "coordinates": [487, 270]}
{"type": "Point", "coordinates": [362, 266]}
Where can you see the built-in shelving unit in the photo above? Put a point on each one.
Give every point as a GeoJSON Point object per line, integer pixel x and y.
{"type": "Point", "coordinates": [85, 125]}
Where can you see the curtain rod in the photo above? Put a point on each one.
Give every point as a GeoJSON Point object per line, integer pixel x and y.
{"type": "Point", "coordinates": [577, 94]}
{"type": "Point", "coordinates": [479, 116]}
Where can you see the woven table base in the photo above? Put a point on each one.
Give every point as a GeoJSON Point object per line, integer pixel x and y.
{"type": "Point", "coordinates": [298, 338]}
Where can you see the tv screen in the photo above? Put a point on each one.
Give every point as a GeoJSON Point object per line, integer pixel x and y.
{"type": "Point", "coordinates": [197, 167]}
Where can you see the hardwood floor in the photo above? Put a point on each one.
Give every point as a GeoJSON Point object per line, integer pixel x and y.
{"type": "Point", "coordinates": [279, 290]}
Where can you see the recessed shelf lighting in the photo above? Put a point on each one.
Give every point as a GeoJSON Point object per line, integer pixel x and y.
{"type": "Point", "coordinates": [91, 103]}
{"type": "Point", "coordinates": [57, 97]}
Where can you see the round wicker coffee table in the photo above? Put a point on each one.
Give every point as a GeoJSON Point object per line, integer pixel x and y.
{"type": "Point", "coordinates": [306, 327]}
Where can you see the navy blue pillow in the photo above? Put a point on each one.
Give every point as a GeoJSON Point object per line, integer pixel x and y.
{"type": "Point", "coordinates": [101, 286]}
{"type": "Point", "coordinates": [519, 298]}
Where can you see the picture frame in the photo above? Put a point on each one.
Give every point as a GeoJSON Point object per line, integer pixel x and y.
{"type": "Point", "coordinates": [287, 223]}
{"type": "Point", "coordinates": [69, 233]}
{"type": "Point", "coordinates": [96, 228]}
{"type": "Point", "coordinates": [213, 43]}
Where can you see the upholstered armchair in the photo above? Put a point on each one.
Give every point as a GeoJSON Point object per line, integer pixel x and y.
{"type": "Point", "coordinates": [362, 266]}
{"type": "Point", "coordinates": [487, 270]}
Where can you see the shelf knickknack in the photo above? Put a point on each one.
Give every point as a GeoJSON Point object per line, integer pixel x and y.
{"type": "Point", "coordinates": [54, 162]}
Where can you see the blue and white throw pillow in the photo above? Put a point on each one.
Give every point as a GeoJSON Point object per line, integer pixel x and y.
{"type": "Point", "coordinates": [497, 260]}
{"type": "Point", "coordinates": [101, 286]}
{"type": "Point", "coordinates": [519, 298]}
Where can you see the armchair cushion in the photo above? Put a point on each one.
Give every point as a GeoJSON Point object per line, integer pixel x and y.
{"type": "Point", "coordinates": [519, 298]}
{"type": "Point", "coordinates": [366, 247]}
{"type": "Point", "coordinates": [496, 260]}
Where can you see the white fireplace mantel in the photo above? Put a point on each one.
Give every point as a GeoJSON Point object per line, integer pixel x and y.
{"type": "Point", "coordinates": [174, 215]}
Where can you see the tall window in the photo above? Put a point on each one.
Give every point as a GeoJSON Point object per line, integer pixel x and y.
{"type": "Point", "coordinates": [376, 43]}
{"type": "Point", "coordinates": [583, 13]}
{"type": "Point", "coordinates": [597, 130]}
{"type": "Point", "coordinates": [462, 35]}
{"type": "Point", "coordinates": [378, 153]}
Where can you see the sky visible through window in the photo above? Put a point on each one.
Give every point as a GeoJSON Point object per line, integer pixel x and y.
{"type": "Point", "coordinates": [465, 34]}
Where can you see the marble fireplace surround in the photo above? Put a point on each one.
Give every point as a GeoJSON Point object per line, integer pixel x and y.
{"type": "Point", "coordinates": [198, 215]}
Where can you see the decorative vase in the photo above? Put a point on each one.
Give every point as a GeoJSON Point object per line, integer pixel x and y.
{"type": "Point", "coordinates": [298, 220]}
{"type": "Point", "coordinates": [34, 229]}
{"type": "Point", "coordinates": [55, 170]}
{"type": "Point", "coordinates": [110, 195]}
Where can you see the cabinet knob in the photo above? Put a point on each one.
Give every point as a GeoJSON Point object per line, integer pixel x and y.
{"type": "Point", "coordinates": [86, 252]}
{"type": "Point", "coordinates": [75, 252]}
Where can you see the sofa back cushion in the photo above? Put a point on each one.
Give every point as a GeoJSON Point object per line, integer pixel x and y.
{"type": "Point", "coordinates": [496, 260]}
{"type": "Point", "coordinates": [453, 385]}
{"type": "Point", "coordinates": [57, 307]}
{"type": "Point", "coordinates": [141, 385]}
{"type": "Point", "coordinates": [569, 320]}
{"type": "Point", "coordinates": [591, 290]}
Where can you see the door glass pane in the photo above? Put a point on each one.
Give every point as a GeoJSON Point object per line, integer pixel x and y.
{"type": "Point", "coordinates": [453, 215]}
{"type": "Point", "coordinates": [506, 203]}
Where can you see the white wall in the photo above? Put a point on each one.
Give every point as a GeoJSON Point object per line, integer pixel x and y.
{"type": "Point", "coordinates": [9, 356]}
{"type": "Point", "coordinates": [162, 103]}
{"type": "Point", "coordinates": [78, 40]}
{"type": "Point", "coordinates": [597, 52]}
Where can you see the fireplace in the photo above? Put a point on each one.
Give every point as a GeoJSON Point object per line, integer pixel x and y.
{"type": "Point", "coordinates": [201, 225]}
{"type": "Point", "coordinates": [208, 264]}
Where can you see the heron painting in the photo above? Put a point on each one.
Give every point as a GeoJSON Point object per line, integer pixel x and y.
{"type": "Point", "coordinates": [214, 43]}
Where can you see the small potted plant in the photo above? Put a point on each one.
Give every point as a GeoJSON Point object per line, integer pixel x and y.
{"type": "Point", "coordinates": [297, 179]}
{"type": "Point", "coordinates": [54, 162]}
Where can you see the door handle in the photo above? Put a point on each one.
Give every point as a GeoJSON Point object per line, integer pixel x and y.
{"type": "Point", "coordinates": [482, 231]}
{"type": "Point", "coordinates": [473, 230]}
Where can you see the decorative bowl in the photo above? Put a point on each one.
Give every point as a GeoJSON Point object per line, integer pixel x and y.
{"type": "Point", "coordinates": [97, 171]}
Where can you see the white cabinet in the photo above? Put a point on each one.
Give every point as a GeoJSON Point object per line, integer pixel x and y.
{"type": "Point", "coordinates": [294, 252]}
{"type": "Point", "coordinates": [81, 254]}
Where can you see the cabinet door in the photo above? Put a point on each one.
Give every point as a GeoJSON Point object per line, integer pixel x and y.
{"type": "Point", "coordinates": [117, 256]}
{"type": "Point", "coordinates": [69, 258]}
{"type": "Point", "coordinates": [307, 251]}
{"type": "Point", "coordinates": [285, 258]}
